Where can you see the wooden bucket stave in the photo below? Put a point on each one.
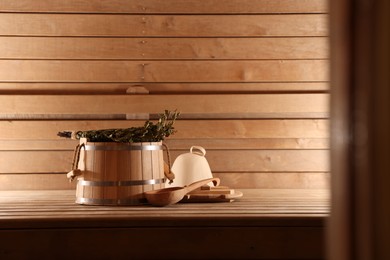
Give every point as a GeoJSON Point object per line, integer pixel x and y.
{"type": "Point", "coordinates": [119, 173]}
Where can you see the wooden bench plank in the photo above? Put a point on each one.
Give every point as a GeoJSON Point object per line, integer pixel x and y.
{"type": "Point", "coordinates": [264, 224]}
{"type": "Point", "coordinates": [256, 203]}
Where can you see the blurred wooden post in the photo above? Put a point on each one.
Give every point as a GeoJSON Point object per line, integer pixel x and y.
{"type": "Point", "coordinates": [360, 111]}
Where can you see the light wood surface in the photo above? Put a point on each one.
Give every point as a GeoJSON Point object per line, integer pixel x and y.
{"type": "Point", "coordinates": [167, 6]}
{"type": "Point", "coordinates": [186, 129]}
{"type": "Point", "coordinates": [183, 144]}
{"type": "Point", "coordinates": [164, 48]}
{"type": "Point", "coordinates": [173, 195]}
{"type": "Point", "coordinates": [268, 160]}
{"type": "Point", "coordinates": [162, 25]}
{"type": "Point", "coordinates": [273, 105]}
{"type": "Point", "coordinates": [263, 224]}
{"type": "Point", "coordinates": [250, 77]}
{"type": "Point", "coordinates": [253, 206]}
{"type": "Point", "coordinates": [220, 161]}
{"type": "Point", "coordinates": [163, 71]}
{"type": "Point", "coordinates": [211, 54]}
{"type": "Point", "coordinates": [110, 172]}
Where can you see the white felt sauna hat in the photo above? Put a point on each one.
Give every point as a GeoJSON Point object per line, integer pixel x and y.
{"type": "Point", "coordinates": [190, 167]}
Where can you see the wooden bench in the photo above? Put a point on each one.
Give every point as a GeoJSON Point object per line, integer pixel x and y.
{"type": "Point", "coordinates": [263, 224]}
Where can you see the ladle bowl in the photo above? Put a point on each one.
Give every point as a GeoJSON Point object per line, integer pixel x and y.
{"type": "Point", "coordinates": [169, 196]}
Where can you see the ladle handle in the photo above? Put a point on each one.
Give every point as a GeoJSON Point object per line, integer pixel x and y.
{"type": "Point", "coordinates": [198, 184]}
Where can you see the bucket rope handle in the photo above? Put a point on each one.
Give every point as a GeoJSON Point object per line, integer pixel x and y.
{"type": "Point", "coordinates": [167, 166]}
{"type": "Point", "coordinates": [76, 157]}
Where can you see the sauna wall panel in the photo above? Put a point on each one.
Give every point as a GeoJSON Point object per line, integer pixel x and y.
{"type": "Point", "coordinates": [103, 25]}
{"type": "Point", "coordinates": [250, 77]}
{"type": "Point", "coordinates": [70, 48]}
{"type": "Point", "coordinates": [273, 105]}
{"type": "Point", "coordinates": [186, 129]}
{"type": "Point", "coordinates": [170, 6]}
{"type": "Point", "coordinates": [164, 71]}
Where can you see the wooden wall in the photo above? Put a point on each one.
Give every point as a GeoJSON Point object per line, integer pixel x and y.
{"type": "Point", "coordinates": [249, 76]}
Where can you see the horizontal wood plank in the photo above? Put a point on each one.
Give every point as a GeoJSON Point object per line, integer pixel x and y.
{"type": "Point", "coordinates": [289, 105]}
{"type": "Point", "coordinates": [220, 161]}
{"type": "Point", "coordinates": [163, 48]}
{"type": "Point", "coordinates": [180, 144]}
{"type": "Point", "coordinates": [163, 25]}
{"type": "Point", "coordinates": [35, 181]}
{"type": "Point", "coordinates": [163, 71]}
{"type": "Point", "coordinates": [158, 88]}
{"type": "Point", "coordinates": [251, 144]}
{"type": "Point", "coordinates": [317, 128]}
{"type": "Point", "coordinates": [275, 180]}
{"type": "Point", "coordinates": [199, 129]}
{"type": "Point", "coordinates": [240, 180]}
{"type": "Point", "coordinates": [267, 160]}
{"type": "Point", "coordinates": [35, 162]}
{"type": "Point", "coordinates": [166, 6]}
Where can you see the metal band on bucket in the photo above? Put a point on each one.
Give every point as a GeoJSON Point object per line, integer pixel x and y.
{"type": "Point", "coordinates": [123, 147]}
{"type": "Point", "coordinates": [120, 183]}
{"type": "Point", "coordinates": [110, 201]}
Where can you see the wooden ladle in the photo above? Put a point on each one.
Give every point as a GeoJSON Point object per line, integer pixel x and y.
{"type": "Point", "coordinates": [168, 196]}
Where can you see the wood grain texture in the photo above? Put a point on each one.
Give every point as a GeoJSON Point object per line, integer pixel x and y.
{"type": "Point", "coordinates": [248, 143]}
{"type": "Point", "coordinates": [220, 161]}
{"type": "Point", "coordinates": [250, 77]}
{"type": "Point", "coordinates": [269, 161]}
{"type": "Point", "coordinates": [183, 144]}
{"type": "Point", "coordinates": [275, 180]}
{"type": "Point", "coordinates": [264, 224]}
{"type": "Point", "coordinates": [186, 129]}
{"type": "Point", "coordinates": [163, 71]}
{"type": "Point", "coordinates": [167, 6]}
{"type": "Point", "coordinates": [289, 105]}
{"type": "Point", "coordinates": [36, 162]}
{"type": "Point", "coordinates": [162, 25]}
{"type": "Point", "coordinates": [36, 181]}
{"type": "Point", "coordinates": [259, 203]}
{"type": "Point", "coordinates": [163, 48]}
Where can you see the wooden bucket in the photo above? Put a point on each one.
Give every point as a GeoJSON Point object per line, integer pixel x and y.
{"type": "Point", "coordinates": [119, 173]}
